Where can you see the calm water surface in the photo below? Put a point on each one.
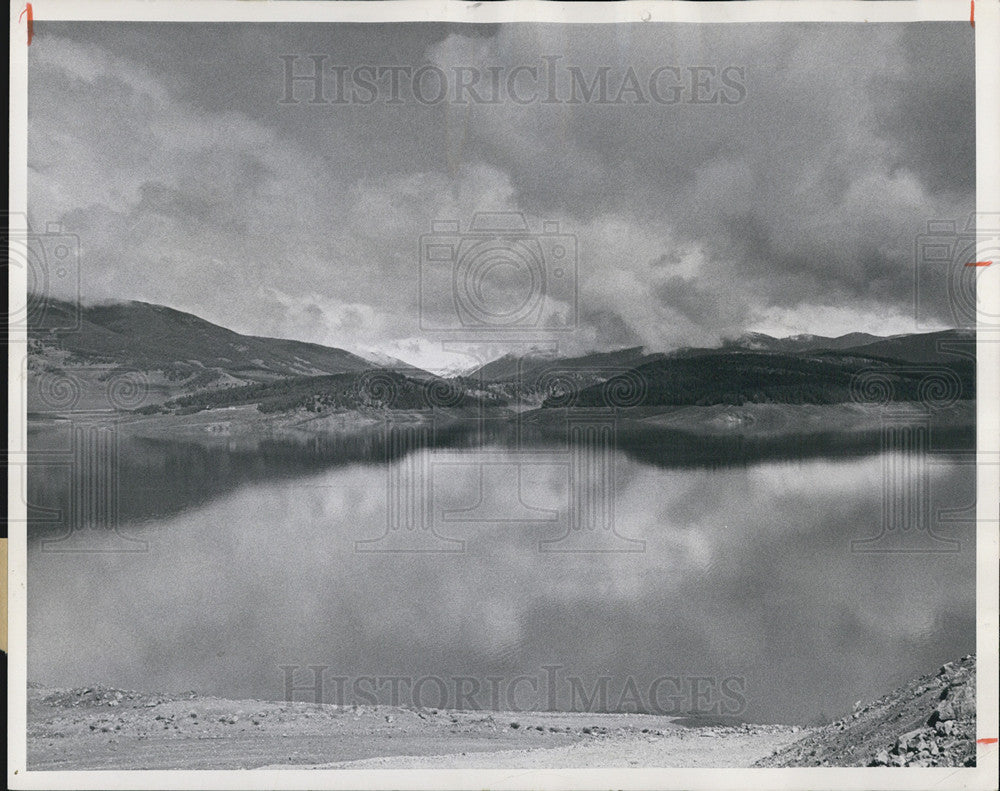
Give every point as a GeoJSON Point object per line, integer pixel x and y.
{"type": "Point", "coordinates": [740, 575]}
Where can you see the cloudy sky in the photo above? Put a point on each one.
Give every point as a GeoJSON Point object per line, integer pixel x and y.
{"type": "Point", "coordinates": [794, 209]}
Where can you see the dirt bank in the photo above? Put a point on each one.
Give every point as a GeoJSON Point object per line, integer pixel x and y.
{"type": "Point", "coordinates": [102, 728]}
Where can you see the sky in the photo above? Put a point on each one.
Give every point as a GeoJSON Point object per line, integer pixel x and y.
{"type": "Point", "coordinates": [787, 201]}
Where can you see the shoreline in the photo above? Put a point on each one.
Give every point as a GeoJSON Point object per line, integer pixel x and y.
{"type": "Point", "coordinates": [102, 728]}
{"type": "Point", "coordinates": [749, 421]}
{"type": "Point", "coordinates": [929, 721]}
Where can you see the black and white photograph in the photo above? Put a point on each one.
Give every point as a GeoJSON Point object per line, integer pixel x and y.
{"type": "Point", "coordinates": [503, 395]}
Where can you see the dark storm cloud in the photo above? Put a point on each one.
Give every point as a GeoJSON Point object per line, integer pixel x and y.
{"type": "Point", "coordinates": [165, 147]}
{"type": "Point", "coordinates": [930, 108]}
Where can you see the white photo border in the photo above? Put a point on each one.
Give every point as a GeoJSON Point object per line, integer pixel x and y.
{"type": "Point", "coordinates": [987, 31]}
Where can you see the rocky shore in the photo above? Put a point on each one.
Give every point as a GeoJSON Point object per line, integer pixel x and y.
{"type": "Point", "coordinates": [929, 722]}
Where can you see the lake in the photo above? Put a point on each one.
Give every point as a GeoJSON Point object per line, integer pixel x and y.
{"type": "Point", "coordinates": [474, 570]}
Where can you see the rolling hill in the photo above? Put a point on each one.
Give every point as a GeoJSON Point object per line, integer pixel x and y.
{"type": "Point", "coordinates": [741, 377]}
{"type": "Point", "coordinates": [142, 336]}
{"type": "Point", "coordinates": [368, 390]}
{"type": "Point", "coordinates": [931, 347]}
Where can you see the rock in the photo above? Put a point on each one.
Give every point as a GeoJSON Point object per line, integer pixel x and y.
{"type": "Point", "coordinates": [962, 697]}
{"type": "Point", "coordinates": [881, 758]}
{"type": "Point", "coordinates": [944, 728]}
{"type": "Point", "coordinates": [903, 742]}
{"type": "Point", "coordinates": [946, 668]}
{"type": "Point", "coordinates": [944, 711]}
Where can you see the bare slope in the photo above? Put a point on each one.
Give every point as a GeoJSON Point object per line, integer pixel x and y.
{"type": "Point", "coordinates": [142, 336]}
{"type": "Point", "coordinates": [929, 722]}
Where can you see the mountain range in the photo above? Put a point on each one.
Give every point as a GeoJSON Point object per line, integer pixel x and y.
{"type": "Point", "coordinates": [207, 365]}
{"type": "Point", "coordinates": [930, 347]}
